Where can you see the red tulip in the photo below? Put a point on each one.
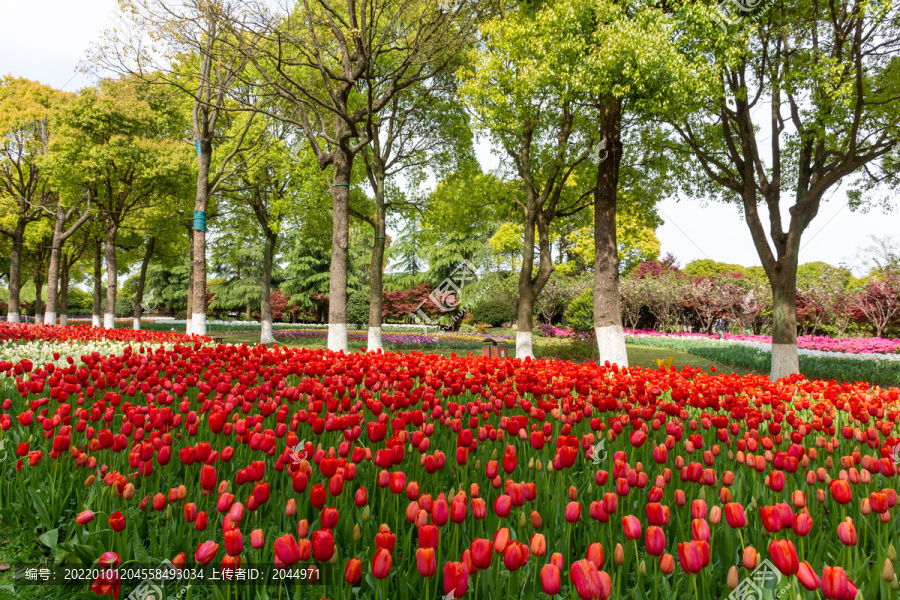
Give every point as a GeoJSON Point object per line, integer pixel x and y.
{"type": "Point", "coordinates": [840, 491]}
{"type": "Point", "coordinates": [234, 542]}
{"type": "Point", "coordinates": [353, 571]}
{"type": "Point", "coordinates": [847, 532]}
{"type": "Point", "coordinates": [595, 554]}
{"type": "Point", "coordinates": [655, 540]}
{"type": "Point", "coordinates": [550, 579]}
{"type": "Point", "coordinates": [807, 577]}
{"type": "Point", "coordinates": [456, 579]}
{"type": "Point", "coordinates": [381, 563]}
{"type": "Point", "coordinates": [573, 512]}
{"type": "Point", "coordinates": [667, 564]}
{"type": "Point", "coordinates": [690, 555]}
{"type": "Point", "coordinates": [117, 521]}
{"type": "Point", "coordinates": [482, 553]}
{"type": "Point", "coordinates": [588, 582]}
{"type": "Point", "coordinates": [784, 555]}
{"type": "Point", "coordinates": [385, 539]}
{"type": "Point", "coordinates": [323, 545]}
{"type": "Point", "coordinates": [256, 539]}
{"type": "Point", "coordinates": [85, 517]}
{"type": "Point", "coordinates": [835, 584]}
{"type": "Point", "coordinates": [425, 562]}
{"type": "Point", "coordinates": [734, 515]}
{"type": "Point", "coordinates": [771, 518]}
{"type": "Point", "coordinates": [631, 527]}
{"type": "Point", "coordinates": [513, 556]}
{"type": "Point", "coordinates": [206, 552]}
{"type": "Point", "coordinates": [287, 552]}
{"type": "Point", "coordinates": [501, 539]}
{"type": "Point", "coordinates": [207, 478]}
{"type": "Point", "coordinates": [503, 506]}
{"type": "Point", "coordinates": [538, 544]}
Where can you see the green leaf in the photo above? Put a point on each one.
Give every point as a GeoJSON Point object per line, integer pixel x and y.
{"type": "Point", "coordinates": [50, 538]}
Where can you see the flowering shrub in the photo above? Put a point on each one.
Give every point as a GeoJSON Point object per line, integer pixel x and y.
{"type": "Point", "coordinates": [821, 343]}
{"type": "Point", "coordinates": [399, 474]}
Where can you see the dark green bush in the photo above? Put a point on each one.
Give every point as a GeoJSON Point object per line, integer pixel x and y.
{"type": "Point", "coordinates": [494, 312]}
{"type": "Point", "coordinates": [580, 312]}
{"type": "Point", "coordinates": [358, 309]}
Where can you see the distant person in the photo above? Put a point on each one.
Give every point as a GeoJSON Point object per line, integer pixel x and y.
{"type": "Point", "coordinates": [721, 326]}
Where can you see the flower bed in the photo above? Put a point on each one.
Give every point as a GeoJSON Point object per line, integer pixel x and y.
{"type": "Point", "coordinates": [396, 475]}
{"type": "Point", "coordinates": [395, 340]}
{"type": "Point", "coordinates": [806, 342]}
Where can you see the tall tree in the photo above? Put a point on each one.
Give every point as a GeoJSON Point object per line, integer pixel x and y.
{"type": "Point", "coordinates": [805, 97]}
{"type": "Point", "coordinates": [420, 130]}
{"type": "Point", "coordinates": [193, 56]}
{"type": "Point", "coordinates": [337, 65]}
{"type": "Point", "coordinates": [25, 108]}
{"type": "Point", "coordinates": [528, 110]}
{"type": "Point", "coordinates": [622, 61]}
{"type": "Point", "coordinates": [113, 138]}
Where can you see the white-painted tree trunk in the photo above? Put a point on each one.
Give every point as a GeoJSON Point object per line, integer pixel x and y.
{"type": "Point", "coordinates": [524, 348]}
{"type": "Point", "coordinates": [375, 339]}
{"type": "Point", "coordinates": [64, 319]}
{"type": "Point", "coordinates": [95, 321]}
{"type": "Point", "coordinates": [198, 324]}
{"type": "Point", "coordinates": [785, 361]}
{"type": "Point", "coordinates": [337, 337]}
{"type": "Point", "coordinates": [611, 343]}
{"type": "Point", "coordinates": [12, 317]}
{"type": "Point", "coordinates": [265, 336]}
{"type": "Point", "coordinates": [136, 325]}
{"type": "Point", "coordinates": [109, 320]}
{"type": "Point", "coordinates": [187, 326]}
{"type": "Point", "coordinates": [49, 317]}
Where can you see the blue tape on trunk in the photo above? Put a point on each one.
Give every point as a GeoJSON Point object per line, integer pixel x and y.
{"type": "Point", "coordinates": [200, 220]}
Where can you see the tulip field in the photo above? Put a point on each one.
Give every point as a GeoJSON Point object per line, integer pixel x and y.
{"type": "Point", "coordinates": [410, 475]}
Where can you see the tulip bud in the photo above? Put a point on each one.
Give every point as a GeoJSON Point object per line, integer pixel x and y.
{"type": "Point", "coordinates": [168, 512]}
{"type": "Point", "coordinates": [538, 466]}
{"type": "Point", "coordinates": [642, 568]}
{"type": "Point", "coordinates": [892, 553]}
{"type": "Point", "coordinates": [887, 570]}
{"type": "Point", "coordinates": [365, 514]}
{"type": "Point", "coordinates": [619, 555]}
{"type": "Point", "coordinates": [531, 463]}
{"type": "Point", "coordinates": [522, 519]}
{"type": "Point", "coordinates": [732, 579]}
{"type": "Point", "coordinates": [357, 533]}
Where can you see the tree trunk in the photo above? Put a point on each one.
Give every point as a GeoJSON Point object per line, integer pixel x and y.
{"type": "Point", "coordinates": [198, 293]}
{"type": "Point", "coordinates": [53, 270]}
{"type": "Point", "coordinates": [607, 314]}
{"type": "Point", "coordinates": [340, 243]}
{"type": "Point", "coordinates": [142, 278]}
{"type": "Point", "coordinates": [112, 280]}
{"type": "Point", "coordinates": [376, 277]}
{"type": "Point", "coordinates": [15, 273]}
{"type": "Point", "coordinates": [98, 283]}
{"type": "Point", "coordinates": [265, 290]}
{"type": "Point", "coordinates": [38, 291]}
{"type": "Point", "coordinates": [64, 291]}
{"type": "Point", "coordinates": [190, 290]}
{"type": "Point", "coordinates": [785, 358]}
{"type": "Point", "coordinates": [524, 321]}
